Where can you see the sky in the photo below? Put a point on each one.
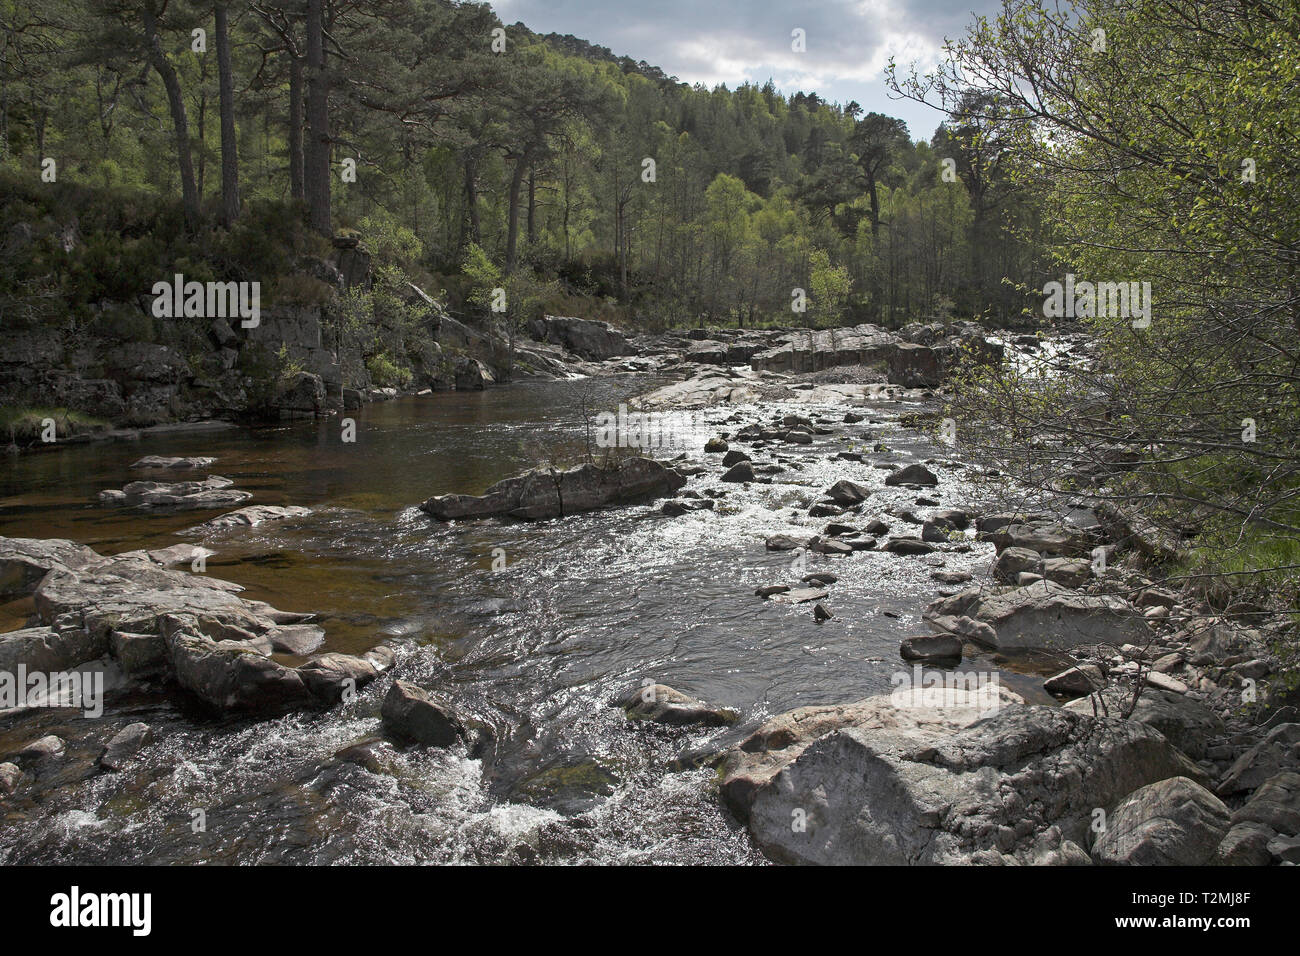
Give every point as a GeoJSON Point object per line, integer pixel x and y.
{"type": "Point", "coordinates": [849, 42]}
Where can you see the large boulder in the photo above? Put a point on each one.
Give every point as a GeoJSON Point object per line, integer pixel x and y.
{"type": "Point", "coordinates": [1185, 723]}
{"type": "Point", "coordinates": [1045, 615]}
{"type": "Point", "coordinates": [920, 786]}
{"type": "Point", "coordinates": [551, 494]}
{"type": "Point", "coordinates": [411, 713]}
{"type": "Point", "coordinates": [472, 375]}
{"type": "Point", "coordinates": [1174, 822]}
{"type": "Point", "coordinates": [587, 338]}
{"type": "Point", "coordinates": [24, 561]}
{"type": "Point", "coordinates": [915, 366]}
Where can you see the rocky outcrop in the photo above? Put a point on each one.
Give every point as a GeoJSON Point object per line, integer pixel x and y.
{"type": "Point", "coordinates": [192, 629]}
{"type": "Point", "coordinates": [552, 494]}
{"type": "Point", "coordinates": [1045, 615]}
{"type": "Point", "coordinates": [1174, 822]}
{"type": "Point", "coordinates": [875, 783]}
{"type": "Point", "coordinates": [588, 338]}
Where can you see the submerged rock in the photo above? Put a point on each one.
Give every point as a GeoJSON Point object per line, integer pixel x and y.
{"type": "Point", "coordinates": [249, 517]}
{"type": "Point", "coordinates": [542, 494]}
{"type": "Point", "coordinates": [664, 705]}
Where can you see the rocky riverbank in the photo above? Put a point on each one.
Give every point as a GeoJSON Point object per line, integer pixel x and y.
{"type": "Point", "coordinates": [1172, 741]}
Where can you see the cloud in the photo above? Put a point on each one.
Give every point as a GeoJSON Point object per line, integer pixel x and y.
{"type": "Point", "coordinates": [848, 42]}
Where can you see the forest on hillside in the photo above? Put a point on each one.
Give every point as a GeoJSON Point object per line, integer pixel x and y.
{"type": "Point", "coordinates": [476, 150]}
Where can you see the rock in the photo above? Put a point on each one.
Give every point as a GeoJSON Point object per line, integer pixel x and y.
{"type": "Point", "coordinates": [472, 375]}
{"type": "Point", "coordinates": [302, 392]}
{"type": "Point", "coordinates": [966, 628]}
{"type": "Point", "coordinates": [1076, 681]}
{"type": "Point", "coordinates": [24, 561]}
{"type": "Point", "coordinates": [1174, 822]}
{"type": "Point", "coordinates": [1185, 723]}
{"type": "Point", "coordinates": [950, 577]}
{"type": "Point", "coordinates": [212, 492]}
{"type": "Point", "coordinates": [588, 338]}
{"type": "Point", "coordinates": [121, 750]}
{"type": "Point", "coordinates": [232, 676]}
{"type": "Point", "coordinates": [173, 464]}
{"type": "Point", "coordinates": [797, 437]}
{"type": "Point", "coordinates": [936, 531]}
{"type": "Point", "coordinates": [875, 783]}
{"type": "Point", "coordinates": [664, 705]}
{"type": "Point", "coordinates": [138, 654]}
{"type": "Point", "coordinates": [1067, 572]}
{"type": "Point", "coordinates": [741, 471]}
{"type": "Point", "coordinates": [1285, 849]}
{"type": "Point", "coordinates": [411, 713]}
{"type": "Point", "coordinates": [1013, 561]}
{"type": "Point", "coordinates": [799, 596]}
{"type": "Point", "coordinates": [49, 649]}
{"type": "Point", "coordinates": [783, 542]}
{"type": "Point", "coordinates": [300, 639]}
{"type": "Point", "coordinates": [769, 589]}
{"type": "Point", "coordinates": [1276, 804]}
{"type": "Point", "coordinates": [715, 446]}
{"type": "Point", "coordinates": [934, 648]}
{"type": "Point", "coordinates": [1026, 578]}
{"type": "Point", "coordinates": [914, 474]}
{"type": "Point", "coordinates": [1246, 844]}
{"type": "Point", "coordinates": [915, 366]}
{"type": "Point", "coordinates": [1156, 597]}
{"type": "Point", "coordinates": [819, 577]}
{"type": "Point", "coordinates": [1046, 537]}
{"type": "Point", "coordinates": [539, 494]}
{"type": "Point", "coordinates": [330, 677]}
{"type": "Point", "coordinates": [820, 545]}
{"type": "Point", "coordinates": [680, 506]}
{"type": "Point", "coordinates": [825, 510]}
{"type": "Point", "coordinates": [10, 775]}
{"type": "Point", "coordinates": [733, 458]}
{"type": "Point", "coordinates": [1165, 682]}
{"type": "Point", "coordinates": [820, 614]}
{"type": "Point", "coordinates": [249, 517]}
{"type": "Point", "coordinates": [1277, 752]}
{"type": "Point", "coordinates": [847, 492]}
{"type": "Point", "coordinates": [1045, 615]}
{"type": "Point", "coordinates": [49, 747]}
{"type": "Point", "coordinates": [906, 545]}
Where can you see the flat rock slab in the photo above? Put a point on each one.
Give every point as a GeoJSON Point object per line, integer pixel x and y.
{"type": "Point", "coordinates": [1045, 615]}
{"type": "Point", "coordinates": [541, 494]}
{"type": "Point", "coordinates": [249, 517]}
{"type": "Point", "coordinates": [173, 464]}
{"type": "Point", "coordinates": [799, 596]}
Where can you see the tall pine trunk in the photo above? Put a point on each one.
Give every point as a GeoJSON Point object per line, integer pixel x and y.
{"type": "Point", "coordinates": [296, 188]}
{"type": "Point", "coordinates": [229, 148]}
{"type": "Point", "coordinates": [180, 121]}
{"type": "Point", "coordinates": [317, 167]}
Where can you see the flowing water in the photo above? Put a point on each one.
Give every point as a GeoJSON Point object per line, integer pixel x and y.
{"type": "Point", "coordinates": [533, 626]}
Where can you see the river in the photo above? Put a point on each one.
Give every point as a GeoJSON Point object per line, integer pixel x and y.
{"type": "Point", "coordinates": [533, 625]}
